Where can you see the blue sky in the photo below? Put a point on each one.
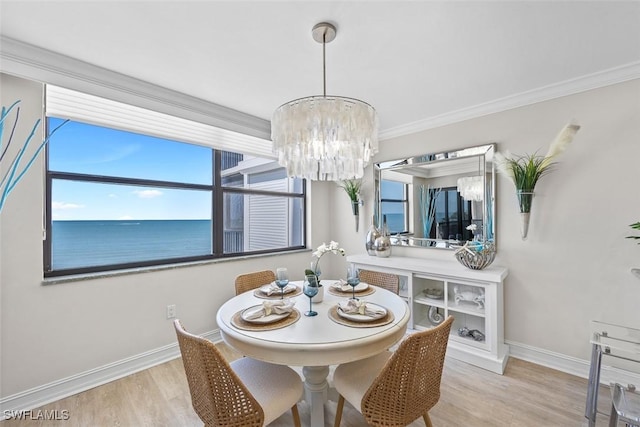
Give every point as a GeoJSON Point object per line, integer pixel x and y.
{"type": "Point", "coordinates": [88, 149]}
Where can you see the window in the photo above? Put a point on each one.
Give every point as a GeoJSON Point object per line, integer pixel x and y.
{"type": "Point", "coordinates": [119, 199]}
{"type": "Point", "coordinates": [395, 205]}
{"type": "Point", "coordinates": [453, 216]}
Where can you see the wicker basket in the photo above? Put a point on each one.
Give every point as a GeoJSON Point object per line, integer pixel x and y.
{"type": "Point", "coordinates": [469, 256]}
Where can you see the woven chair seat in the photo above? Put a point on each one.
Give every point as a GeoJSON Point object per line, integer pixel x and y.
{"type": "Point", "coordinates": [273, 386]}
{"type": "Point", "coordinates": [395, 389]}
{"type": "Point", "coordinates": [354, 378]}
{"type": "Point", "coordinates": [244, 393]}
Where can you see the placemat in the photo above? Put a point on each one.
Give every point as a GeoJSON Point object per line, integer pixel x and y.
{"type": "Point", "coordinates": [370, 290]}
{"type": "Point", "coordinates": [333, 315]}
{"type": "Point", "coordinates": [258, 293]}
{"type": "Point", "coordinates": [239, 323]}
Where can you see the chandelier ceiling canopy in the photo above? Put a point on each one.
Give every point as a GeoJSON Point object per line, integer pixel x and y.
{"type": "Point", "coordinates": [328, 138]}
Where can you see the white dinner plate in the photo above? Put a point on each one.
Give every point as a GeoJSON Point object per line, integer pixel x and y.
{"type": "Point", "coordinates": [273, 317]}
{"type": "Point", "coordinates": [359, 287]}
{"type": "Point", "coordinates": [287, 289]}
{"type": "Point", "coordinates": [356, 317]}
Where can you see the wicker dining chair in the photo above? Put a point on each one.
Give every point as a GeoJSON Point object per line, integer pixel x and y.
{"type": "Point", "coordinates": [394, 389]}
{"type": "Point", "coordinates": [387, 281]}
{"type": "Point", "coordinates": [243, 393]}
{"type": "Point", "coordinates": [249, 281]}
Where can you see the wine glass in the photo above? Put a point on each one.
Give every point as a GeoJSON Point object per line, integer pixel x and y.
{"type": "Point", "coordinates": [310, 289]}
{"type": "Point", "coordinates": [282, 280]}
{"type": "Point", "coordinates": [353, 279]}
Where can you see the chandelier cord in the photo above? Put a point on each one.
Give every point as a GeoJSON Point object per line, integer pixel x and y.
{"type": "Point", "coordinates": [324, 65]}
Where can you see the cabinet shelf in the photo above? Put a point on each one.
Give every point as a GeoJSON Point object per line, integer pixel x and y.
{"type": "Point", "coordinates": [468, 341]}
{"type": "Point", "coordinates": [450, 279]}
{"type": "Point", "coordinates": [467, 308]}
{"type": "Point", "coordinates": [428, 301]}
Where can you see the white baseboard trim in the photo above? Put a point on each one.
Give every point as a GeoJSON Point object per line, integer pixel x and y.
{"type": "Point", "coordinates": [65, 387]}
{"type": "Point", "coordinates": [571, 365]}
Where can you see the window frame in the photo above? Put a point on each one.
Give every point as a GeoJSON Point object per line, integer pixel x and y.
{"type": "Point", "coordinates": [217, 217]}
{"type": "Point", "coordinates": [461, 208]}
{"type": "Point", "coordinates": [404, 201]}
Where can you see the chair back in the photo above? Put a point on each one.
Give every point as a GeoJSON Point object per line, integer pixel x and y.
{"type": "Point", "coordinates": [387, 281]}
{"type": "Point", "coordinates": [409, 384]}
{"type": "Point", "coordinates": [217, 394]}
{"type": "Point", "coordinates": [249, 281]}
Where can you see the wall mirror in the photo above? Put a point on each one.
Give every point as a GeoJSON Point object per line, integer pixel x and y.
{"type": "Point", "coordinates": [437, 200]}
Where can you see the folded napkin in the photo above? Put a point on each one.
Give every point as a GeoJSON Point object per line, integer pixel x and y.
{"type": "Point", "coordinates": [352, 306]}
{"type": "Point", "coordinates": [273, 289]}
{"type": "Point", "coordinates": [342, 286]}
{"type": "Point", "coordinates": [271, 307]}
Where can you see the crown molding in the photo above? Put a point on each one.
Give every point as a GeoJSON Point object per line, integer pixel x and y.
{"type": "Point", "coordinates": [38, 64]}
{"type": "Point", "coordinates": [568, 87]}
{"type": "Point", "coordinates": [35, 63]}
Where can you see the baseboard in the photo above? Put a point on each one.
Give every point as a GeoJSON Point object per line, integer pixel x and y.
{"type": "Point", "coordinates": [571, 365]}
{"type": "Point", "coordinates": [484, 360]}
{"type": "Point", "coordinates": [65, 387]}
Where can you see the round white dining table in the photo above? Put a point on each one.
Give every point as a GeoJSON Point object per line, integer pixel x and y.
{"type": "Point", "coordinates": [314, 342]}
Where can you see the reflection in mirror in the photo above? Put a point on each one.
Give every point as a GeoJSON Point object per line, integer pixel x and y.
{"type": "Point", "coordinates": [438, 200]}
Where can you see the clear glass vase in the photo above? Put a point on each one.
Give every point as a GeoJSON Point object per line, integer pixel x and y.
{"type": "Point", "coordinates": [355, 208]}
{"type": "Point", "coordinates": [525, 200]}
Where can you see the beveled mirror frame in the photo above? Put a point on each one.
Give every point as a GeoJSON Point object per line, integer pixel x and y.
{"type": "Point", "coordinates": [475, 163]}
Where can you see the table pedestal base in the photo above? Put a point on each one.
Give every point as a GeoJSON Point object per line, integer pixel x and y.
{"type": "Point", "coordinates": [316, 386]}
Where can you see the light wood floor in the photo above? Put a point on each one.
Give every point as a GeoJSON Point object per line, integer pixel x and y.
{"type": "Point", "coordinates": [526, 395]}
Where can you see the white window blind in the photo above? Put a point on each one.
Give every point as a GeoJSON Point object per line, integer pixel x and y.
{"type": "Point", "coordinates": [77, 106]}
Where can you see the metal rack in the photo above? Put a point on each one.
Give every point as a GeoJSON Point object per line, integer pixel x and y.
{"type": "Point", "coordinates": [620, 343]}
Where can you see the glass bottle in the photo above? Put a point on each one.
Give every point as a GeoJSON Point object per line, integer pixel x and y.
{"type": "Point", "coordinates": [383, 243]}
{"type": "Point", "coordinates": [372, 235]}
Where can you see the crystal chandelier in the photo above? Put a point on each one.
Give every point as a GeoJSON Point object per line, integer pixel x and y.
{"type": "Point", "coordinates": [327, 138]}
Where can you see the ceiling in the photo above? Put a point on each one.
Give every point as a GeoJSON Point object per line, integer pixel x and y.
{"type": "Point", "coordinates": [413, 61]}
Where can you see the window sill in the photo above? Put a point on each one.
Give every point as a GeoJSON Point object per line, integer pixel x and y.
{"type": "Point", "coordinates": [151, 269]}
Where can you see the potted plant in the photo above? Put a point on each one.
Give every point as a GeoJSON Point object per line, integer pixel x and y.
{"type": "Point", "coordinates": [352, 188]}
{"type": "Point", "coordinates": [332, 247]}
{"type": "Point", "coordinates": [525, 171]}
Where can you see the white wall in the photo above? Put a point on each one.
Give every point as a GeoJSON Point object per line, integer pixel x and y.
{"type": "Point", "coordinates": [575, 264]}
{"type": "Point", "coordinates": [574, 267]}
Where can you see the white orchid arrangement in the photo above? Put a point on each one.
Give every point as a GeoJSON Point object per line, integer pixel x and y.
{"type": "Point", "coordinates": [332, 247]}
{"type": "Point", "coordinates": [525, 171]}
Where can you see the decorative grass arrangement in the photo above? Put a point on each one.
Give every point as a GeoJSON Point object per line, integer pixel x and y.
{"type": "Point", "coordinates": [352, 188]}
{"type": "Point", "coordinates": [635, 226]}
{"type": "Point", "coordinates": [525, 171]}
{"type": "Point", "coordinates": [16, 168]}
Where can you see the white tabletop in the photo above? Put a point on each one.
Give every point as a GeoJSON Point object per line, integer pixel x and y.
{"type": "Point", "coordinates": [318, 340]}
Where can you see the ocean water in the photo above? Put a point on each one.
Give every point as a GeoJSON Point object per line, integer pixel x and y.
{"type": "Point", "coordinates": [95, 243]}
{"type": "Point", "coordinates": [395, 222]}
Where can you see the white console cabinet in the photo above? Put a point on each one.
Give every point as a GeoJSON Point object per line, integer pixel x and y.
{"type": "Point", "coordinates": [435, 289]}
